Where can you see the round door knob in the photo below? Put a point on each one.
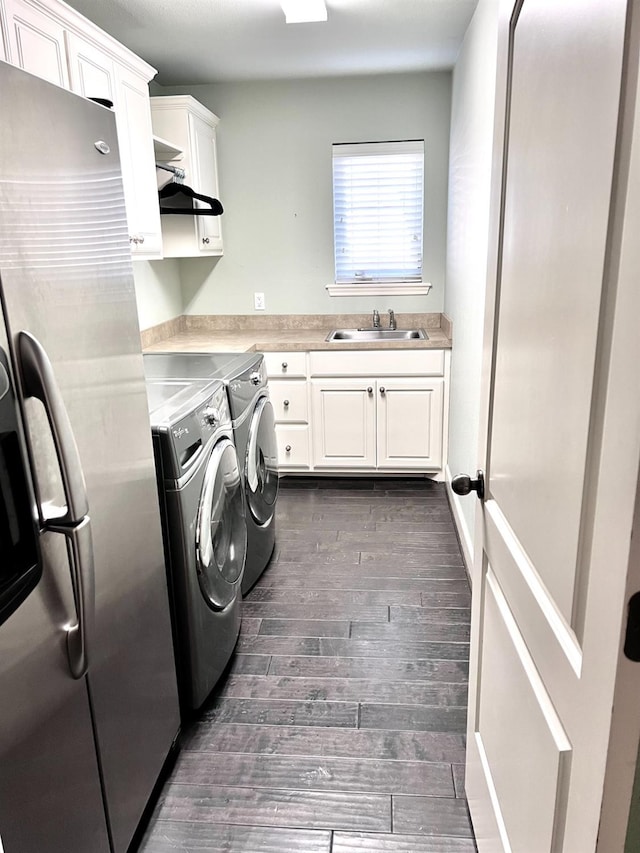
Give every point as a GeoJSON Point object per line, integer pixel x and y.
{"type": "Point", "coordinates": [284, 365]}
{"type": "Point", "coordinates": [288, 448]}
{"type": "Point", "coordinates": [205, 240]}
{"type": "Point", "coordinates": [369, 390]}
{"type": "Point", "coordinates": [382, 390]}
{"type": "Point", "coordinates": [462, 484]}
{"type": "Point", "coordinates": [286, 404]}
{"type": "Point", "coordinates": [211, 415]}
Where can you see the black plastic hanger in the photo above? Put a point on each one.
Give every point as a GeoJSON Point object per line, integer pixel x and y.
{"type": "Point", "coordinates": [171, 190]}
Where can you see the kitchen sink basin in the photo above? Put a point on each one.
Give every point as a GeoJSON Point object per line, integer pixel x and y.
{"type": "Point", "coordinates": [377, 335]}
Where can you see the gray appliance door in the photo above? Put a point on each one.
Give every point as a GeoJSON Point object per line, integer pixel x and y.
{"type": "Point", "coordinates": [221, 531]}
{"type": "Point", "coordinates": [50, 797]}
{"type": "Point", "coordinates": [67, 280]}
{"type": "Point", "coordinates": [261, 466]}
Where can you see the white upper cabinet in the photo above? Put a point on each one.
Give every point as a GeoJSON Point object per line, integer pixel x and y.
{"type": "Point", "coordinates": [92, 72]}
{"type": "Point", "coordinates": [36, 42]}
{"type": "Point", "coordinates": [51, 40]}
{"type": "Point", "coordinates": [134, 130]}
{"type": "Point", "coordinates": [191, 128]}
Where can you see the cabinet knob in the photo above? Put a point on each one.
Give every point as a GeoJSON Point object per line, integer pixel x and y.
{"type": "Point", "coordinates": [369, 390]}
{"type": "Point", "coordinates": [140, 239]}
{"type": "Point", "coordinates": [205, 240]}
{"type": "Point", "coordinates": [284, 365]}
{"type": "Point", "coordinates": [382, 390]}
{"type": "Point", "coordinates": [286, 404]}
{"type": "Point", "coordinates": [288, 448]}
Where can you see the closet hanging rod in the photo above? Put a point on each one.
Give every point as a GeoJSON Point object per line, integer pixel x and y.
{"type": "Point", "coordinates": [175, 170]}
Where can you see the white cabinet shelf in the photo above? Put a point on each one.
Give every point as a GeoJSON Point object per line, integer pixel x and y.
{"type": "Point", "coordinates": [166, 151]}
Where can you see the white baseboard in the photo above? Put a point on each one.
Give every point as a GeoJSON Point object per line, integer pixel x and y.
{"type": "Point", "coordinates": [465, 535]}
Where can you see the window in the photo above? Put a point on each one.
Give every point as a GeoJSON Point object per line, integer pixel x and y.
{"type": "Point", "coordinates": [378, 201]}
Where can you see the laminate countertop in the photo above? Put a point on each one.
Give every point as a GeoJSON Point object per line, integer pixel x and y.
{"type": "Point", "coordinates": [292, 333]}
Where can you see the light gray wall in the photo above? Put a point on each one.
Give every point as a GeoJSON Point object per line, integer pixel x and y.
{"type": "Point", "coordinates": [274, 160]}
{"type": "Point", "coordinates": [472, 110]}
{"type": "Point", "coordinates": [158, 291]}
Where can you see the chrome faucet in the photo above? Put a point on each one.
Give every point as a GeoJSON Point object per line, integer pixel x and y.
{"type": "Point", "coordinates": [392, 319]}
{"type": "Point", "coordinates": [376, 319]}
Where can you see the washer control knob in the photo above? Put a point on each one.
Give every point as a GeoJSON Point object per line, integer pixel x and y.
{"type": "Point", "coordinates": [256, 378]}
{"type": "Point", "coordinates": [211, 415]}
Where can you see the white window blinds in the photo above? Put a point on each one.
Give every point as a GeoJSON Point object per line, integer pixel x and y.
{"type": "Point", "coordinates": [378, 190]}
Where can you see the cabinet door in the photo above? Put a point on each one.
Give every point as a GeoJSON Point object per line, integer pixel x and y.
{"type": "Point", "coordinates": [204, 159]}
{"type": "Point", "coordinates": [343, 423]}
{"type": "Point", "coordinates": [135, 138]}
{"type": "Point", "coordinates": [36, 42]}
{"type": "Point", "coordinates": [409, 423]}
{"type": "Point", "coordinates": [91, 72]}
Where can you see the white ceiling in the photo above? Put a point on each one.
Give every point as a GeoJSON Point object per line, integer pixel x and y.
{"type": "Point", "coordinates": [204, 41]}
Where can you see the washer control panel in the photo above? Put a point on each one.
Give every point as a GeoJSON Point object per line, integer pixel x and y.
{"type": "Point", "coordinates": [191, 434]}
{"type": "Point", "coordinates": [214, 413]}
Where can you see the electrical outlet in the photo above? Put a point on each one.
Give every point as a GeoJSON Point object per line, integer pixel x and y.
{"type": "Point", "coordinates": [258, 301]}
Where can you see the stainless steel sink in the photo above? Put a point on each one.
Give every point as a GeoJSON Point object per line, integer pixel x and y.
{"type": "Point", "coordinates": [377, 335]}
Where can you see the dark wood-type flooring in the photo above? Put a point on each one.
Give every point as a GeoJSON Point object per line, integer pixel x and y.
{"type": "Point", "coordinates": [340, 726]}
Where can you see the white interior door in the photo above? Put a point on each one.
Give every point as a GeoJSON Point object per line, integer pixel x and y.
{"type": "Point", "coordinates": [562, 407]}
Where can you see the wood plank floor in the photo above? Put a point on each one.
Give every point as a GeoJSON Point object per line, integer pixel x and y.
{"type": "Point", "coordinates": [340, 725]}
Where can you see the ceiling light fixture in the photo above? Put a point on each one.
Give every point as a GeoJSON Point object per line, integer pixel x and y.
{"type": "Point", "coordinates": [304, 11]}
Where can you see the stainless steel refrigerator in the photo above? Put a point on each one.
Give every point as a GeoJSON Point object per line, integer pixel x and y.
{"type": "Point", "coordinates": [88, 700]}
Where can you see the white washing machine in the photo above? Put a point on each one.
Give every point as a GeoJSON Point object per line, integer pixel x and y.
{"type": "Point", "coordinates": [202, 505]}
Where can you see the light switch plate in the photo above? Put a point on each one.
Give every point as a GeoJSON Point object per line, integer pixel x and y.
{"type": "Point", "coordinates": [258, 301]}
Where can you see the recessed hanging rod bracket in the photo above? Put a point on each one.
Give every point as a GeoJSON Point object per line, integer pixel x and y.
{"type": "Point", "coordinates": [178, 173]}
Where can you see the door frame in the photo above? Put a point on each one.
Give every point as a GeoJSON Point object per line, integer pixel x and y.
{"type": "Point", "coordinates": [619, 460]}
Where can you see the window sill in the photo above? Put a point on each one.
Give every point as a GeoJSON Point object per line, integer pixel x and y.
{"type": "Point", "coordinates": [380, 288]}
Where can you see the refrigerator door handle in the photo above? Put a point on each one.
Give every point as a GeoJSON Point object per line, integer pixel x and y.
{"type": "Point", "coordinates": [80, 548]}
{"type": "Point", "coordinates": [39, 381]}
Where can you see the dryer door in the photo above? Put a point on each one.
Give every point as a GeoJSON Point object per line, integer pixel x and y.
{"type": "Point", "coordinates": [262, 463]}
{"type": "Point", "coordinates": [221, 533]}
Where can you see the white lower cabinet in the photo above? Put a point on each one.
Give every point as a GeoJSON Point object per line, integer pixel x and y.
{"type": "Point", "coordinates": [343, 423]}
{"type": "Point", "coordinates": [409, 423]}
{"type": "Point", "coordinates": [330, 421]}
{"type": "Point", "coordinates": [389, 423]}
{"type": "Point", "coordinates": [289, 393]}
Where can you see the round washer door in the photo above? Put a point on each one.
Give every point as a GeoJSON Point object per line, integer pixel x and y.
{"type": "Point", "coordinates": [221, 530]}
{"type": "Point", "coordinates": [262, 463]}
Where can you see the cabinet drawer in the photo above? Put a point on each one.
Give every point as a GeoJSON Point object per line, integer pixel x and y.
{"type": "Point", "coordinates": [377, 363]}
{"type": "Point", "coordinates": [293, 446]}
{"type": "Point", "coordinates": [289, 399]}
{"type": "Point", "coordinates": [286, 364]}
